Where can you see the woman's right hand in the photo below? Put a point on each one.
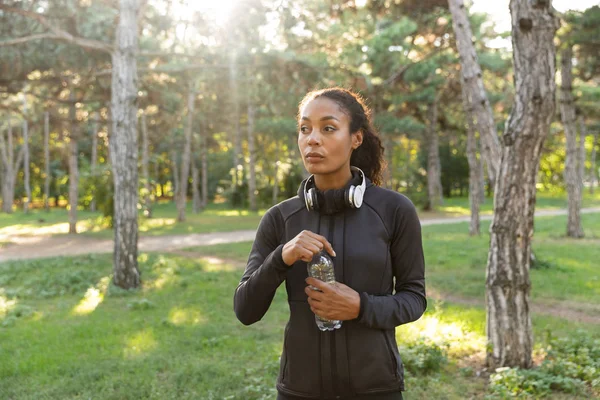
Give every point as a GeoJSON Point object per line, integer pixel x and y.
{"type": "Point", "coordinates": [304, 246]}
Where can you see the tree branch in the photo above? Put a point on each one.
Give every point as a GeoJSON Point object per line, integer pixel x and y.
{"type": "Point", "coordinates": [25, 39]}
{"type": "Point", "coordinates": [59, 33]}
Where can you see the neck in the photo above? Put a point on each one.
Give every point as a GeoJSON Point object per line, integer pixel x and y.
{"type": "Point", "coordinates": [336, 180]}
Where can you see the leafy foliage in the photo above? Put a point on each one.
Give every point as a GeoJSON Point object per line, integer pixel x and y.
{"type": "Point", "coordinates": [572, 365]}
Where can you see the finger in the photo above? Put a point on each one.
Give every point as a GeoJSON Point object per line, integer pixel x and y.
{"type": "Point", "coordinates": [325, 243]}
{"type": "Point", "coordinates": [313, 294]}
{"type": "Point", "coordinates": [305, 254]}
{"type": "Point", "coordinates": [323, 286]}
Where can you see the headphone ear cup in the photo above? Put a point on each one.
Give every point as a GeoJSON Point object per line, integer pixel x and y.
{"type": "Point", "coordinates": [349, 196]}
{"type": "Point", "coordinates": [314, 204]}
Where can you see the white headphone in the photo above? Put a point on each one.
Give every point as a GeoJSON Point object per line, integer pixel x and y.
{"type": "Point", "coordinates": [353, 195]}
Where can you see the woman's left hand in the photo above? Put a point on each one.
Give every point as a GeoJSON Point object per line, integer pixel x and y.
{"type": "Point", "coordinates": [335, 301]}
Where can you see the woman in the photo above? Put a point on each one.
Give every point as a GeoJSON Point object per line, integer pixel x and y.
{"type": "Point", "coordinates": [375, 242]}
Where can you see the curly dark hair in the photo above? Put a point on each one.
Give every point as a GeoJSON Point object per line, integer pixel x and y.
{"type": "Point", "coordinates": [369, 156]}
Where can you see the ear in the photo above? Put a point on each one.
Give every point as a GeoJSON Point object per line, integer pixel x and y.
{"type": "Point", "coordinates": [357, 139]}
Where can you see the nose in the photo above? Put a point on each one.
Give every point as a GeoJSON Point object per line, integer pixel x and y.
{"type": "Point", "coordinates": [314, 138]}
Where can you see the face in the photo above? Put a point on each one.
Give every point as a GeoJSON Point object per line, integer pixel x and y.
{"type": "Point", "coordinates": [324, 137]}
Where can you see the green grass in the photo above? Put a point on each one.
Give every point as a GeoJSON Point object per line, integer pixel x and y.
{"type": "Point", "coordinates": [213, 219]}
{"type": "Point", "coordinates": [544, 201]}
{"type": "Point", "coordinates": [456, 262]}
{"type": "Point", "coordinates": [216, 218]}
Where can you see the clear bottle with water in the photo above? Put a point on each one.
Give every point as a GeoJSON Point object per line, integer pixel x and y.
{"type": "Point", "coordinates": [321, 268]}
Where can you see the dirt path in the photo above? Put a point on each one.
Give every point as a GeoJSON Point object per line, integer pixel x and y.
{"type": "Point", "coordinates": [28, 247]}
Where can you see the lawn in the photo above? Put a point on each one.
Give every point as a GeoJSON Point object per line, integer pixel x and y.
{"type": "Point", "coordinates": [216, 218]}
{"type": "Point", "coordinates": [67, 333]}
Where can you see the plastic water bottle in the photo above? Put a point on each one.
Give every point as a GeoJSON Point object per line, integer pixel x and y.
{"type": "Point", "coordinates": [321, 268]}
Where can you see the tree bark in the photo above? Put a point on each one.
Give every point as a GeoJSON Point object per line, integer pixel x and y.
{"type": "Point", "coordinates": [73, 167]}
{"type": "Point", "coordinates": [478, 104]}
{"type": "Point", "coordinates": [196, 202]}
{"type": "Point", "coordinates": [124, 149]}
{"type": "Point", "coordinates": [185, 161]}
{"type": "Point", "coordinates": [434, 173]}
{"type": "Point", "coordinates": [145, 173]}
{"type": "Point", "coordinates": [175, 168]}
{"type": "Point", "coordinates": [572, 179]}
{"type": "Point", "coordinates": [594, 167]}
{"type": "Point", "coordinates": [11, 168]}
{"type": "Point", "coordinates": [276, 178]}
{"type": "Point", "coordinates": [94, 155]}
{"type": "Point", "coordinates": [204, 162]}
{"type": "Point", "coordinates": [475, 180]}
{"type": "Point", "coordinates": [252, 161]}
{"type": "Point", "coordinates": [581, 155]}
{"type": "Point", "coordinates": [27, 178]}
{"type": "Point", "coordinates": [509, 330]}
{"type": "Point", "coordinates": [238, 160]}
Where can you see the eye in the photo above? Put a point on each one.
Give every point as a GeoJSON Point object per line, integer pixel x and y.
{"type": "Point", "coordinates": [329, 128]}
{"type": "Point", "coordinates": [304, 129]}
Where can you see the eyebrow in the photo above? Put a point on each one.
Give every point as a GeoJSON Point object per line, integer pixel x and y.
{"type": "Point", "coordinates": [328, 117]}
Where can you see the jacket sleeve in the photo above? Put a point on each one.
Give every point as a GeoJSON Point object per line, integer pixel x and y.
{"type": "Point", "coordinates": [265, 271]}
{"type": "Point", "coordinates": [408, 302]}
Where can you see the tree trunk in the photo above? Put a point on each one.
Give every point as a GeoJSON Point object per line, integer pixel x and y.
{"type": "Point", "coordinates": [252, 163]}
{"type": "Point", "coordinates": [509, 331]}
{"type": "Point", "coordinates": [11, 168]}
{"type": "Point", "coordinates": [276, 178]}
{"type": "Point", "coordinates": [238, 160]}
{"type": "Point", "coordinates": [185, 161]}
{"type": "Point", "coordinates": [73, 168]}
{"type": "Point", "coordinates": [594, 167]}
{"type": "Point", "coordinates": [567, 113]}
{"type": "Point", "coordinates": [94, 155]}
{"type": "Point", "coordinates": [175, 168]}
{"type": "Point", "coordinates": [434, 173]}
{"type": "Point", "coordinates": [475, 181]}
{"type": "Point", "coordinates": [478, 104]}
{"type": "Point", "coordinates": [124, 149]}
{"type": "Point", "coordinates": [196, 202]}
{"type": "Point", "coordinates": [26, 157]}
{"type": "Point", "coordinates": [204, 162]}
{"type": "Point", "coordinates": [145, 173]}
{"type": "Point", "coordinates": [581, 155]}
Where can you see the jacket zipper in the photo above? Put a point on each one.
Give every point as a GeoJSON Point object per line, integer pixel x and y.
{"type": "Point", "coordinates": [334, 371]}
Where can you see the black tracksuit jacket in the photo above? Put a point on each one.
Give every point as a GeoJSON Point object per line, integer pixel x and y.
{"type": "Point", "coordinates": [380, 255]}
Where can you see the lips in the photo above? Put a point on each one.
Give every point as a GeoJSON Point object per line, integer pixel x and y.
{"type": "Point", "coordinates": [314, 155]}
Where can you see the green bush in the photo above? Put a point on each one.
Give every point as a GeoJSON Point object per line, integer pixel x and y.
{"type": "Point", "coordinates": [572, 365]}
{"type": "Point", "coordinates": [421, 357]}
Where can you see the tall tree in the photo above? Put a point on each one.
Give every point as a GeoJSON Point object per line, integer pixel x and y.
{"type": "Point", "coordinates": [26, 166]}
{"type": "Point", "coordinates": [593, 167]}
{"type": "Point", "coordinates": [475, 178]}
{"type": "Point", "coordinates": [186, 157]}
{"type": "Point", "coordinates": [11, 168]}
{"type": "Point", "coordinates": [238, 159]}
{"type": "Point", "coordinates": [509, 330]}
{"type": "Point", "coordinates": [573, 179]}
{"type": "Point", "coordinates": [94, 163]}
{"type": "Point", "coordinates": [73, 164]}
{"type": "Point", "coordinates": [46, 160]}
{"type": "Point", "coordinates": [434, 169]}
{"type": "Point", "coordinates": [123, 146]}
{"type": "Point", "coordinates": [145, 173]}
{"type": "Point", "coordinates": [477, 100]}
{"type": "Point", "coordinates": [196, 201]}
{"type": "Point", "coordinates": [252, 157]}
